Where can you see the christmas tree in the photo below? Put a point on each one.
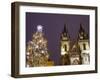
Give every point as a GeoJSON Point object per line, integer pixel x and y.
{"type": "Point", "coordinates": [37, 52]}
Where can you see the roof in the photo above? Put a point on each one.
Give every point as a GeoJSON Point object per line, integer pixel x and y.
{"type": "Point", "coordinates": [65, 34]}
{"type": "Point", "coordinates": [82, 34]}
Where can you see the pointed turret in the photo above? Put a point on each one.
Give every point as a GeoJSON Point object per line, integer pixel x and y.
{"type": "Point", "coordinates": [82, 34]}
{"type": "Point", "coordinates": [64, 35]}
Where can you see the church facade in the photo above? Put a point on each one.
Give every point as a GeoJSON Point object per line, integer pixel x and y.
{"type": "Point", "coordinates": [74, 52]}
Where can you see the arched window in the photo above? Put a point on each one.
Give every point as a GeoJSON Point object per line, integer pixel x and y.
{"type": "Point", "coordinates": [84, 46]}
{"type": "Point", "coordinates": [65, 47]}
{"type": "Point", "coordinates": [75, 62]}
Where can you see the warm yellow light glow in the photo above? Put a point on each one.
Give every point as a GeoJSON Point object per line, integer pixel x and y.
{"type": "Point", "coordinates": [63, 51]}
{"type": "Point", "coordinates": [85, 51]}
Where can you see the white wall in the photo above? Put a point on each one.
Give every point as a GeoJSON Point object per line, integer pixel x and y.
{"type": "Point", "coordinates": [5, 40]}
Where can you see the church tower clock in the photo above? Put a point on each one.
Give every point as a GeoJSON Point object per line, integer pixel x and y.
{"type": "Point", "coordinates": [83, 42]}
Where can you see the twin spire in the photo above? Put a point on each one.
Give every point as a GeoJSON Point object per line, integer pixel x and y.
{"type": "Point", "coordinates": [81, 34]}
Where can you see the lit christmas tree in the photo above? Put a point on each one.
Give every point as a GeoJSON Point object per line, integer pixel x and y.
{"type": "Point", "coordinates": [37, 52]}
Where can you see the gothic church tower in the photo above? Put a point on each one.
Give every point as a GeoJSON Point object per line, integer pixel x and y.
{"type": "Point", "coordinates": [65, 45]}
{"type": "Point", "coordinates": [83, 42]}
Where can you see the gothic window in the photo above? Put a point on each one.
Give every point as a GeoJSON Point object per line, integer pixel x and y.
{"type": "Point", "coordinates": [65, 47]}
{"type": "Point", "coordinates": [84, 46]}
{"type": "Point", "coordinates": [75, 62]}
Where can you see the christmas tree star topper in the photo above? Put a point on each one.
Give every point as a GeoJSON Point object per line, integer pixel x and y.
{"type": "Point", "coordinates": [39, 28]}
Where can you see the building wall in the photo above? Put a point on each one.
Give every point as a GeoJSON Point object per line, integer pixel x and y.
{"type": "Point", "coordinates": [63, 43]}
{"type": "Point", "coordinates": [85, 54]}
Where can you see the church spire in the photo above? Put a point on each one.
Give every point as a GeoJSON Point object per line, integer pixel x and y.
{"type": "Point", "coordinates": [64, 35]}
{"type": "Point", "coordinates": [81, 29]}
{"type": "Point", "coordinates": [64, 30]}
{"type": "Point", "coordinates": [82, 34]}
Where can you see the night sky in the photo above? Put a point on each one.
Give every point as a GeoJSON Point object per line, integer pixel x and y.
{"type": "Point", "coordinates": [53, 25]}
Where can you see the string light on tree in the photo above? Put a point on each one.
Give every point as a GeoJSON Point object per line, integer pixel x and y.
{"type": "Point", "coordinates": [37, 51]}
